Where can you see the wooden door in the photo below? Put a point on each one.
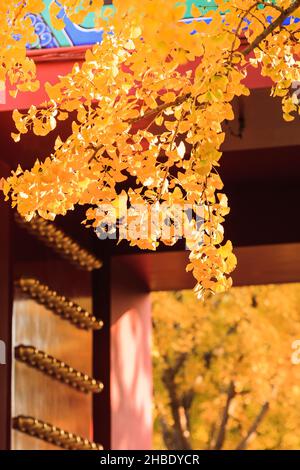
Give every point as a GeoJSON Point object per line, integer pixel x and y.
{"type": "Point", "coordinates": [52, 340]}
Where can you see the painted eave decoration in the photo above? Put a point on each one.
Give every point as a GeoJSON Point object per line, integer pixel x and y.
{"type": "Point", "coordinates": [86, 33]}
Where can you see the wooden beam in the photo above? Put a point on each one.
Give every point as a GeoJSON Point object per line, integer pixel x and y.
{"type": "Point", "coordinates": [262, 264]}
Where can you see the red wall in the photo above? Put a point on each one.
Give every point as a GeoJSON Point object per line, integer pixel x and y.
{"type": "Point", "coordinates": [54, 62]}
{"type": "Point", "coordinates": [131, 369]}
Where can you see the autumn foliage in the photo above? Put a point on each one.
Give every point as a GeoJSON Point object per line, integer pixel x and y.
{"type": "Point", "coordinates": [226, 371]}
{"type": "Point", "coordinates": [142, 120]}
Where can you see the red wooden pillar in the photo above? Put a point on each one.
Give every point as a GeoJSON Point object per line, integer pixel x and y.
{"type": "Point", "coordinates": [130, 356]}
{"type": "Point", "coordinates": [122, 358]}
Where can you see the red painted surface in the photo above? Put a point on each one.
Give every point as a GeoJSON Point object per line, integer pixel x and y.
{"type": "Point", "coordinates": [46, 72]}
{"type": "Point", "coordinates": [52, 62]}
{"type": "Point", "coordinates": [131, 374]}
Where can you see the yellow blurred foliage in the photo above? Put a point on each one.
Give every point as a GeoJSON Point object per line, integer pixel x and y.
{"type": "Point", "coordinates": [236, 349]}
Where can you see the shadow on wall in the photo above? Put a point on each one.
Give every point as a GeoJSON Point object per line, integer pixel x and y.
{"type": "Point", "coordinates": [131, 367]}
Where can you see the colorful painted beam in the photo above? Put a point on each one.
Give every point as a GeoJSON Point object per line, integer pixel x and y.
{"type": "Point", "coordinates": [86, 33]}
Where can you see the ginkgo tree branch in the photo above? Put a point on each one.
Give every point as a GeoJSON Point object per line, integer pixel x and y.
{"type": "Point", "coordinates": [245, 52]}
{"type": "Point", "coordinates": [153, 112]}
{"type": "Point", "coordinates": [140, 80]}
{"type": "Point", "coordinates": [167, 169]}
{"type": "Point", "coordinates": [272, 26]}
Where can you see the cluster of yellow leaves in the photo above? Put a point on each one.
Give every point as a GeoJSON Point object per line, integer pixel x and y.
{"type": "Point", "coordinates": [16, 32]}
{"type": "Point", "coordinates": [244, 337]}
{"type": "Point", "coordinates": [144, 115]}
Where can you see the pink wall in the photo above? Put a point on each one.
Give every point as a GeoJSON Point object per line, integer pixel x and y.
{"type": "Point", "coordinates": [131, 369]}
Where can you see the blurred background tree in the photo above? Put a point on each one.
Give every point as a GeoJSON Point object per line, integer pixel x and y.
{"type": "Point", "coordinates": [224, 376]}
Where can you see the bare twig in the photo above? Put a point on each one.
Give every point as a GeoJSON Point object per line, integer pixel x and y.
{"type": "Point", "coordinates": [264, 409]}
{"type": "Point", "coordinates": [225, 416]}
{"type": "Point", "coordinates": [181, 442]}
{"type": "Point", "coordinates": [272, 26]}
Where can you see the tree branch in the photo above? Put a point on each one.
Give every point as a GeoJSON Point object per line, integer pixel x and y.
{"type": "Point", "coordinates": [272, 26]}
{"type": "Point", "coordinates": [211, 437]}
{"type": "Point", "coordinates": [181, 441]}
{"type": "Point", "coordinates": [177, 102]}
{"type": "Point", "coordinates": [187, 401]}
{"type": "Point", "coordinates": [167, 432]}
{"type": "Point", "coordinates": [261, 37]}
{"type": "Point", "coordinates": [264, 409]}
{"type": "Point", "coordinates": [225, 416]}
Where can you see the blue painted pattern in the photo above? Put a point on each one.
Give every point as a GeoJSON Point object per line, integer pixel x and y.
{"type": "Point", "coordinates": [44, 33]}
